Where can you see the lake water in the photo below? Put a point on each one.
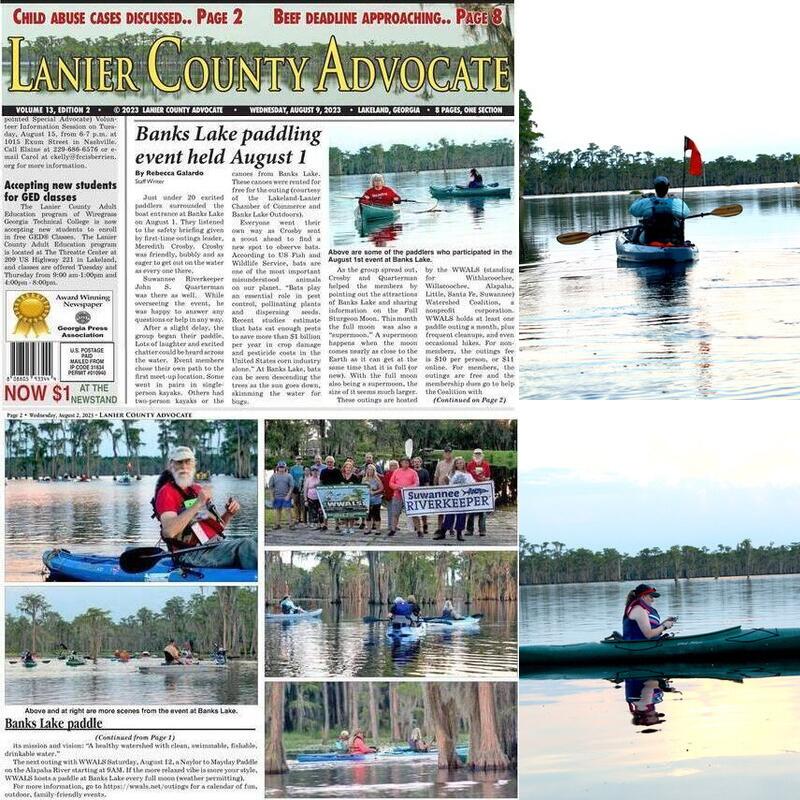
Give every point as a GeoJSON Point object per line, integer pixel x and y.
{"type": "Point", "coordinates": [98, 516]}
{"type": "Point", "coordinates": [454, 224]}
{"type": "Point", "coordinates": [406, 778]}
{"type": "Point", "coordinates": [715, 739]}
{"type": "Point", "coordinates": [344, 645]}
{"type": "Point", "coordinates": [112, 683]}
{"type": "Point", "coordinates": [727, 326]}
{"type": "Point", "coordinates": [585, 612]}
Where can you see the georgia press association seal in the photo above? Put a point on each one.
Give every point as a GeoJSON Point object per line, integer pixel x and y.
{"type": "Point", "coordinates": [31, 310]}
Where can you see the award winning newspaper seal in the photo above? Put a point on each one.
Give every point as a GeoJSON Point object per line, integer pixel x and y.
{"type": "Point", "coordinates": [31, 310]}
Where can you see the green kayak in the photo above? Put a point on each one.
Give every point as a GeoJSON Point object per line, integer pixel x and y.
{"type": "Point", "coordinates": [443, 192]}
{"type": "Point", "coordinates": [367, 214]}
{"type": "Point", "coordinates": [730, 644]}
{"type": "Point", "coordinates": [75, 662]}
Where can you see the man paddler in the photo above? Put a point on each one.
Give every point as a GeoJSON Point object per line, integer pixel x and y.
{"type": "Point", "coordinates": [188, 518]}
{"type": "Point", "coordinates": [660, 217]}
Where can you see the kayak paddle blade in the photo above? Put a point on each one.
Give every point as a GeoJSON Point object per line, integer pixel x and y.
{"type": "Point", "coordinates": [573, 238]}
{"type": "Point", "coordinates": [140, 559]}
{"type": "Point", "coordinates": [732, 210]}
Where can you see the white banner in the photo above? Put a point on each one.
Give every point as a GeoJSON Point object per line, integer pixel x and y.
{"type": "Point", "coordinates": [470, 498]}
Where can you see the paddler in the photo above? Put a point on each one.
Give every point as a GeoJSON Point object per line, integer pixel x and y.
{"type": "Point", "coordinates": [641, 619]}
{"type": "Point", "coordinates": [661, 217]}
{"type": "Point", "coordinates": [359, 747]}
{"type": "Point", "coordinates": [342, 743]}
{"type": "Point", "coordinates": [402, 612]}
{"type": "Point", "coordinates": [288, 606]}
{"type": "Point", "coordinates": [188, 518]}
{"type": "Point", "coordinates": [475, 179]}
{"type": "Point", "coordinates": [415, 740]}
{"type": "Point", "coordinates": [448, 611]}
{"type": "Point", "coordinates": [379, 194]}
{"type": "Point", "coordinates": [171, 653]}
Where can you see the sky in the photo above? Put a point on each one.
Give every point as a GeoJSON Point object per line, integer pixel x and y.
{"type": "Point", "coordinates": [635, 475]}
{"type": "Point", "coordinates": [70, 601]}
{"type": "Point", "coordinates": [643, 75]}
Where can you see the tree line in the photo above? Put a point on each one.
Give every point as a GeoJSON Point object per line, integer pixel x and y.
{"type": "Point", "coordinates": [593, 169]}
{"type": "Point", "coordinates": [554, 562]}
{"type": "Point", "coordinates": [443, 155]}
{"type": "Point", "coordinates": [226, 617]}
{"type": "Point", "coordinates": [482, 714]}
{"type": "Point", "coordinates": [72, 447]}
{"type": "Point", "coordinates": [376, 578]}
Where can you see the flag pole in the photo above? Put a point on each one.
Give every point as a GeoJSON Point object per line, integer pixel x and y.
{"type": "Point", "coordinates": [683, 190]}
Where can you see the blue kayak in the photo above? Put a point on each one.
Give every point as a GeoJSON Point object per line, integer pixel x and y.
{"type": "Point", "coordinates": [381, 755]}
{"type": "Point", "coordinates": [66, 566]}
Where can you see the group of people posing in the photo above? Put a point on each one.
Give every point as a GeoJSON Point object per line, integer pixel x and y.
{"type": "Point", "coordinates": [294, 492]}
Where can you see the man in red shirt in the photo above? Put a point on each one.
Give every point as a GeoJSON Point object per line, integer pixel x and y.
{"type": "Point", "coordinates": [481, 471]}
{"type": "Point", "coordinates": [379, 194]}
{"type": "Point", "coordinates": [188, 518]}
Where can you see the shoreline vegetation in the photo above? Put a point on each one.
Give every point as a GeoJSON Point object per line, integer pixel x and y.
{"type": "Point", "coordinates": [594, 169]}
{"type": "Point", "coordinates": [303, 716]}
{"type": "Point", "coordinates": [441, 156]}
{"type": "Point", "coordinates": [226, 617]}
{"type": "Point", "coordinates": [553, 562]}
{"type": "Point", "coordinates": [375, 578]}
{"type": "Point", "coordinates": [52, 450]}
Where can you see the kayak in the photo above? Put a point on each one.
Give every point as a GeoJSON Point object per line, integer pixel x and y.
{"type": "Point", "coordinates": [67, 566]}
{"type": "Point", "coordinates": [75, 662]}
{"type": "Point", "coordinates": [163, 668]}
{"type": "Point", "coordinates": [406, 632]}
{"type": "Point", "coordinates": [30, 664]}
{"type": "Point", "coordinates": [448, 624]}
{"type": "Point", "coordinates": [379, 756]}
{"type": "Point", "coordinates": [648, 254]}
{"type": "Point", "coordinates": [617, 673]}
{"type": "Point", "coordinates": [368, 214]}
{"type": "Point", "coordinates": [729, 644]}
{"type": "Point", "coordinates": [315, 614]}
{"type": "Point", "coordinates": [443, 192]}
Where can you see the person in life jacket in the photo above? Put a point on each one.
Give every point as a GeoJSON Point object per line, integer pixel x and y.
{"type": "Point", "coordinates": [661, 217]}
{"type": "Point", "coordinates": [171, 653]}
{"type": "Point", "coordinates": [475, 179]}
{"type": "Point", "coordinates": [641, 620]}
{"type": "Point", "coordinates": [288, 606]}
{"type": "Point", "coordinates": [402, 613]}
{"type": "Point", "coordinates": [188, 519]}
{"type": "Point", "coordinates": [379, 194]}
{"type": "Point", "coordinates": [359, 746]}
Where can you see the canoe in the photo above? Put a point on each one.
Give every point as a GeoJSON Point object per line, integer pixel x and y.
{"type": "Point", "coordinates": [647, 254]}
{"type": "Point", "coordinates": [305, 758]}
{"type": "Point", "coordinates": [315, 614]}
{"type": "Point", "coordinates": [444, 624]}
{"type": "Point", "coordinates": [368, 214]}
{"type": "Point", "coordinates": [182, 669]}
{"type": "Point", "coordinates": [405, 632]}
{"type": "Point", "coordinates": [443, 192]}
{"type": "Point", "coordinates": [67, 566]}
{"type": "Point", "coordinates": [729, 644]}
{"type": "Point", "coordinates": [617, 673]}
{"type": "Point", "coordinates": [75, 662]}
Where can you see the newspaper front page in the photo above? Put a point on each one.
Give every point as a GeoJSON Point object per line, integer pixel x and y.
{"type": "Point", "coordinates": [259, 387]}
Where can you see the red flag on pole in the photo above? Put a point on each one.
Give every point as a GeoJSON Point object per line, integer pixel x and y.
{"type": "Point", "coordinates": [695, 159]}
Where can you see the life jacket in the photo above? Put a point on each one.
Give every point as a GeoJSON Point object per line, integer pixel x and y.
{"type": "Point", "coordinates": [631, 631]}
{"type": "Point", "coordinates": [193, 533]}
{"type": "Point", "coordinates": [287, 606]}
{"type": "Point", "coordinates": [661, 225]}
{"type": "Point", "coordinates": [402, 613]}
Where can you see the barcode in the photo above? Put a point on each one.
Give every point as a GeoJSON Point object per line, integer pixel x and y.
{"type": "Point", "coordinates": [30, 359]}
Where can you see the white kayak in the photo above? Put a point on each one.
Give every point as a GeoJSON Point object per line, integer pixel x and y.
{"type": "Point", "coordinates": [448, 624]}
{"type": "Point", "coordinates": [405, 632]}
{"type": "Point", "coordinates": [182, 669]}
{"type": "Point", "coordinates": [627, 251]}
{"type": "Point", "coordinates": [300, 615]}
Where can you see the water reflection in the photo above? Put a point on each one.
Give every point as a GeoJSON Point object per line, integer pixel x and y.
{"type": "Point", "coordinates": [715, 738]}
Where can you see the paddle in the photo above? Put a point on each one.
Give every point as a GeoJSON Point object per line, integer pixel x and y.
{"type": "Point", "coordinates": [452, 619]}
{"type": "Point", "coordinates": [581, 236]}
{"type": "Point", "coordinates": [140, 559]}
{"type": "Point", "coordinates": [485, 186]}
{"type": "Point", "coordinates": [403, 200]}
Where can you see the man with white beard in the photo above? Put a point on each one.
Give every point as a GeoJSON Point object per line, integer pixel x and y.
{"type": "Point", "coordinates": [188, 519]}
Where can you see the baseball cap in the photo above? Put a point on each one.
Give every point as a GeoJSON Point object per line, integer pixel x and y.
{"type": "Point", "coordinates": [181, 453]}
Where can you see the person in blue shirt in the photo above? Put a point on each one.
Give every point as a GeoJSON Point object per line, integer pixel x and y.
{"type": "Point", "coordinates": [297, 472]}
{"type": "Point", "coordinates": [661, 217]}
{"type": "Point", "coordinates": [641, 620]}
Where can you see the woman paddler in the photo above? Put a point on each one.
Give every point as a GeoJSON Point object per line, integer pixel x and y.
{"type": "Point", "coordinates": [379, 194]}
{"type": "Point", "coordinates": [641, 619]}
